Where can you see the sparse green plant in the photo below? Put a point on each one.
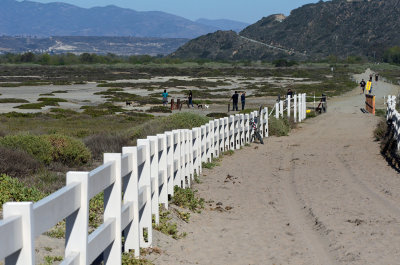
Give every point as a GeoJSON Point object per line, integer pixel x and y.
{"type": "Point", "coordinates": [58, 231]}
{"type": "Point", "coordinates": [187, 198]}
{"type": "Point", "coordinates": [49, 260]}
{"type": "Point", "coordinates": [167, 227]}
{"type": "Point", "coordinates": [13, 100]}
{"type": "Point", "coordinates": [130, 259]}
{"type": "Point", "coordinates": [184, 216]}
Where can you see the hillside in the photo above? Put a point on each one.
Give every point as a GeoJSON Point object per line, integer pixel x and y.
{"type": "Point", "coordinates": [223, 24]}
{"type": "Point", "coordinates": [59, 19]}
{"type": "Point", "coordinates": [339, 27]}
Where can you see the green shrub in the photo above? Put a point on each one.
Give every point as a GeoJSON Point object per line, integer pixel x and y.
{"type": "Point", "coordinates": [278, 127]}
{"type": "Point", "coordinates": [11, 189]}
{"type": "Point", "coordinates": [161, 109]}
{"type": "Point", "coordinates": [187, 198]}
{"type": "Point", "coordinates": [36, 146]}
{"type": "Point", "coordinates": [217, 115]}
{"type": "Point", "coordinates": [68, 150]}
{"type": "Point", "coordinates": [13, 100]}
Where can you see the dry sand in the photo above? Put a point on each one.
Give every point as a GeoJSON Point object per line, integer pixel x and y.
{"type": "Point", "coordinates": [323, 195]}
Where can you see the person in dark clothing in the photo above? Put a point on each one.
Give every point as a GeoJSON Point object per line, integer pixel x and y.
{"type": "Point", "coordinates": [362, 84]}
{"type": "Point", "coordinates": [243, 99]}
{"type": "Point", "coordinates": [289, 93]}
{"type": "Point", "coordinates": [190, 99]}
{"type": "Point", "coordinates": [370, 77]}
{"type": "Point", "coordinates": [376, 77]}
{"type": "Point", "coordinates": [235, 99]}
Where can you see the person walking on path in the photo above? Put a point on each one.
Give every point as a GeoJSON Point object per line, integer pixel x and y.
{"type": "Point", "coordinates": [165, 97]}
{"type": "Point", "coordinates": [243, 99]}
{"type": "Point", "coordinates": [362, 84]}
{"type": "Point", "coordinates": [190, 99]}
{"type": "Point", "coordinates": [235, 99]}
{"type": "Point", "coordinates": [376, 77]}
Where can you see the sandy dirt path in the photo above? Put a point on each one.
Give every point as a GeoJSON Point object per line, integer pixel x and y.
{"type": "Point", "coordinates": [323, 195]}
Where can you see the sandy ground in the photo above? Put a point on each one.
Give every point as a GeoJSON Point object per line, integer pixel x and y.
{"type": "Point", "coordinates": [323, 195]}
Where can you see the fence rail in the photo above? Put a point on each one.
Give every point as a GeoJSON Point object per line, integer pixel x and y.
{"type": "Point", "coordinates": [134, 183]}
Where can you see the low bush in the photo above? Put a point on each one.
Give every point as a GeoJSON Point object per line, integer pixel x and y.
{"type": "Point", "coordinates": [13, 100]}
{"type": "Point", "coordinates": [217, 115]}
{"type": "Point", "coordinates": [183, 120]}
{"type": "Point", "coordinates": [34, 145]}
{"type": "Point", "coordinates": [278, 127]}
{"type": "Point", "coordinates": [68, 150]}
{"type": "Point", "coordinates": [106, 143]}
{"type": "Point", "coordinates": [11, 189]}
{"type": "Point", "coordinates": [161, 109]}
{"type": "Point", "coordinates": [17, 163]}
{"type": "Point", "coordinates": [186, 198]}
{"type": "Point", "coordinates": [380, 130]}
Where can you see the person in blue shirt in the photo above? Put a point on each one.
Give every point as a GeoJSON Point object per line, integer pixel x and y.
{"type": "Point", "coordinates": [243, 99]}
{"type": "Point", "coordinates": [165, 97]}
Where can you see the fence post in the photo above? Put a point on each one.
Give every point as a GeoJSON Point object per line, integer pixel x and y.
{"type": "Point", "coordinates": [190, 149]}
{"type": "Point", "coordinates": [131, 194]}
{"type": "Point", "coordinates": [289, 98]}
{"type": "Point", "coordinates": [26, 256]}
{"type": "Point", "coordinates": [277, 110]}
{"type": "Point", "coordinates": [305, 106]}
{"type": "Point", "coordinates": [154, 174]}
{"type": "Point", "coordinates": [212, 139]}
{"type": "Point", "coordinates": [145, 181]}
{"type": "Point", "coordinates": [231, 132]}
{"type": "Point", "coordinates": [281, 108]}
{"type": "Point", "coordinates": [266, 128]}
{"type": "Point", "coordinates": [177, 157]}
{"type": "Point", "coordinates": [163, 169]}
{"type": "Point", "coordinates": [247, 128]}
{"type": "Point", "coordinates": [226, 134]}
{"type": "Point", "coordinates": [221, 135]}
{"type": "Point", "coordinates": [76, 232]}
{"type": "Point", "coordinates": [241, 130]}
{"type": "Point", "coordinates": [237, 131]}
{"type": "Point", "coordinates": [300, 107]}
{"type": "Point", "coordinates": [170, 162]}
{"type": "Point", "coordinates": [203, 143]}
{"type": "Point", "coordinates": [216, 137]}
{"type": "Point", "coordinates": [295, 108]}
{"type": "Point", "coordinates": [112, 210]}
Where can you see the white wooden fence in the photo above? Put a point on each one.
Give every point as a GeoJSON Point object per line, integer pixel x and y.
{"type": "Point", "coordinates": [295, 105]}
{"type": "Point", "coordinates": [134, 183]}
{"type": "Point", "coordinates": [393, 116]}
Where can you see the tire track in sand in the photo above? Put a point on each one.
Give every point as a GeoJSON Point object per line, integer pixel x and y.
{"type": "Point", "coordinates": [303, 221]}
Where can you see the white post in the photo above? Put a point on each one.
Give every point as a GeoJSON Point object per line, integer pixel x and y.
{"type": "Point", "coordinates": [203, 143]}
{"type": "Point", "coordinates": [295, 108]}
{"type": "Point", "coordinates": [241, 130]}
{"type": "Point", "coordinates": [182, 164]}
{"type": "Point", "coordinates": [300, 107]}
{"type": "Point", "coordinates": [145, 181]}
{"type": "Point", "coordinates": [266, 126]}
{"type": "Point", "coordinates": [177, 157]}
{"type": "Point", "coordinates": [190, 150]}
{"type": "Point", "coordinates": [163, 169]}
{"type": "Point", "coordinates": [288, 105]}
{"type": "Point", "coordinates": [247, 128]}
{"type": "Point", "coordinates": [251, 132]}
{"type": "Point", "coordinates": [170, 162]}
{"type": "Point", "coordinates": [112, 210]}
{"type": "Point", "coordinates": [131, 194]}
{"type": "Point", "coordinates": [76, 232]}
{"type": "Point", "coordinates": [304, 106]}
{"type": "Point", "coordinates": [226, 134]}
{"type": "Point", "coordinates": [216, 137]}
{"type": "Point", "coordinates": [231, 132]}
{"type": "Point", "coordinates": [277, 110]}
{"type": "Point", "coordinates": [154, 174]}
{"type": "Point", "coordinates": [212, 139]}
{"type": "Point", "coordinates": [221, 135]}
{"type": "Point", "coordinates": [281, 108]}
{"type": "Point", "coordinates": [208, 142]}
{"type": "Point", "coordinates": [237, 131]}
{"type": "Point", "coordinates": [26, 256]}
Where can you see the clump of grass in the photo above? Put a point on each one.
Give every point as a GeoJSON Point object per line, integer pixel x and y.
{"type": "Point", "coordinates": [186, 198]}
{"type": "Point", "coordinates": [46, 94]}
{"type": "Point", "coordinates": [130, 259]}
{"type": "Point", "coordinates": [278, 127]}
{"type": "Point", "coordinates": [31, 106]}
{"type": "Point", "coordinates": [380, 112]}
{"type": "Point", "coordinates": [167, 227]}
{"type": "Point", "coordinates": [49, 260]}
{"type": "Point", "coordinates": [57, 231]}
{"type": "Point", "coordinates": [96, 210]}
{"type": "Point", "coordinates": [59, 91]}
{"type": "Point", "coordinates": [228, 153]}
{"type": "Point", "coordinates": [380, 130]}
{"type": "Point", "coordinates": [217, 115]}
{"type": "Point", "coordinates": [13, 100]}
{"type": "Point", "coordinates": [161, 109]}
{"type": "Point", "coordinates": [209, 165]}
{"type": "Point", "coordinates": [11, 189]}
{"type": "Point", "coordinates": [106, 143]}
{"type": "Point", "coordinates": [184, 216]}
{"type": "Point", "coordinates": [102, 109]}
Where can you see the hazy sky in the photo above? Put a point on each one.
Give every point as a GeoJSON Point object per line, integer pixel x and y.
{"type": "Point", "coordinates": [241, 10]}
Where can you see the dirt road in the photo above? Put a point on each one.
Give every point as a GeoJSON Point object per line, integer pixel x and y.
{"type": "Point", "coordinates": [323, 195]}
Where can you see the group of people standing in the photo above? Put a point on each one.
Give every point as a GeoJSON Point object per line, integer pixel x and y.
{"type": "Point", "coordinates": [235, 100]}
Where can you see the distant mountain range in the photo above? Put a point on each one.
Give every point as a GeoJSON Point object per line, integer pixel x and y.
{"type": "Point", "coordinates": [28, 18]}
{"type": "Point", "coordinates": [339, 27]}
